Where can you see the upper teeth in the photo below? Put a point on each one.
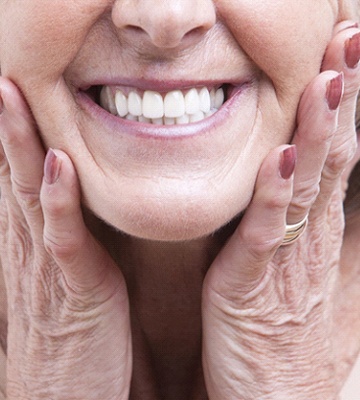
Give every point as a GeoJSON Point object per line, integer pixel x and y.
{"type": "Point", "coordinates": [175, 107]}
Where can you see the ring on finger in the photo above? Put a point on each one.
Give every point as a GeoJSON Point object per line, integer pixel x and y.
{"type": "Point", "coordinates": [294, 231]}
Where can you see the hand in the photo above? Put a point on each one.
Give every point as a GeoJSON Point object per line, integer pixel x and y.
{"type": "Point", "coordinates": [268, 309]}
{"type": "Point", "coordinates": [68, 307]}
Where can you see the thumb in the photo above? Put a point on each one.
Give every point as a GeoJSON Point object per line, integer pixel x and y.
{"type": "Point", "coordinates": [83, 261]}
{"type": "Point", "coordinates": [242, 262]}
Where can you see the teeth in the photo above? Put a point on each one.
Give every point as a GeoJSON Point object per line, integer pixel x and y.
{"type": "Point", "coordinates": [152, 105]}
{"type": "Point", "coordinates": [121, 104]}
{"type": "Point", "coordinates": [157, 121]}
{"type": "Point", "coordinates": [204, 96]}
{"type": "Point", "coordinates": [169, 121]}
{"type": "Point", "coordinates": [176, 107]}
{"type": "Point", "coordinates": [192, 101]}
{"type": "Point", "coordinates": [211, 112]}
{"type": "Point", "coordinates": [199, 116]}
{"type": "Point", "coordinates": [219, 98]}
{"type": "Point", "coordinates": [131, 117]}
{"type": "Point", "coordinates": [107, 99]}
{"type": "Point", "coordinates": [144, 119]}
{"type": "Point", "coordinates": [184, 119]}
{"type": "Point", "coordinates": [174, 104]}
{"type": "Point", "coordinates": [212, 98]}
{"type": "Point", "coordinates": [135, 104]}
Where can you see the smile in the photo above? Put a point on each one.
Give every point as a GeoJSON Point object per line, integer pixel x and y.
{"type": "Point", "coordinates": [175, 107]}
{"type": "Point", "coordinates": [166, 109]}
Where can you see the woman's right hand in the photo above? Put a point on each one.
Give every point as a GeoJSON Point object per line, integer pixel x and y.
{"type": "Point", "coordinates": [68, 313]}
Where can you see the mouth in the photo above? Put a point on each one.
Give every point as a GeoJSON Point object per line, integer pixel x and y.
{"type": "Point", "coordinates": [174, 107]}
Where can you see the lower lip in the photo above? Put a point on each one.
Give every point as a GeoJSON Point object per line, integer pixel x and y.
{"type": "Point", "coordinates": [164, 132]}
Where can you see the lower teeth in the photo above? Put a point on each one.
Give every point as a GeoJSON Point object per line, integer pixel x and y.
{"type": "Point", "coordinates": [184, 119]}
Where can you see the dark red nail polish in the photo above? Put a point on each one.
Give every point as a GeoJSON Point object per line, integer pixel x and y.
{"type": "Point", "coordinates": [352, 51]}
{"type": "Point", "coordinates": [334, 91]}
{"type": "Point", "coordinates": [51, 167]}
{"type": "Point", "coordinates": [288, 162]}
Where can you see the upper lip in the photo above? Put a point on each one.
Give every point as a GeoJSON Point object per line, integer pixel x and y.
{"type": "Point", "coordinates": [156, 85]}
{"type": "Point", "coordinates": [161, 80]}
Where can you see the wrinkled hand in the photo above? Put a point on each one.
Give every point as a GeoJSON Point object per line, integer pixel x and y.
{"type": "Point", "coordinates": [68, 322]}
{"type": "Point", "coordinates": [268, 310]}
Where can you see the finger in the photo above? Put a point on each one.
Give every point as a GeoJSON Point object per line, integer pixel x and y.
{"type": "Point", "coordinates": [343, 54]}
{"type": "Point", "coordinates": [23, 150]}
{"type": "Point", "coordinates": [241, 263]}
{"type": "Point", "coordinates": [317, 121]}
{"type": "Point", "coordinates": [82, 260]}
{"type": "Point", "coordinates": [5, 179]}
{"type": "Point", "coordinates": [10, 207]}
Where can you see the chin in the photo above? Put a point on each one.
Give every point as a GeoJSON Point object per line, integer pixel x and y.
{"type": "Point", "coordinates": [170, 221]}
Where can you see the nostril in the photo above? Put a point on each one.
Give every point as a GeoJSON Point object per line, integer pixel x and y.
{"type": "Point", "coordinates": [135, 29]}
{"type": "Point", "coordinates": [193, 33]}
{"type": "Point", "coordinates": [160, 38]}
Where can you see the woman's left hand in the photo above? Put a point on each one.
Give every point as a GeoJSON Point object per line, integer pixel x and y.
{"type": "Point", "coordinates": [268, 309]}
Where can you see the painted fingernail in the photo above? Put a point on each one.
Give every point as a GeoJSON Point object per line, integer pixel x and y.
{"type": "Point", "coordinates": [51, 167]}
{"type": "Point", "coordinates": [288, 162]}
{"type": "Point", "coordinates": [334, 91]}
{"type": "Point", "coordinates": [352, 51]}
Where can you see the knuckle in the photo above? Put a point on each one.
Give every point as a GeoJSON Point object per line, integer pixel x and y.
{"type": "Point", "coordinates": [260, 244]}
{"type": "Point", "coordinates": [304, 196]}
{"type": "Point", "coordinates": [16, 132]}
{"type": "Point", "coordinates": [278, 203]}
{"type": "Point", "coordinates": [60, 248]}
{"type": "Point", "coordinates": [29, 203]}
{"type": "Point", "coordinates": [351, 89]}
{"type": "Point", "coordinates": [20, 245]}
{"type": "Point", "coordinates": [53, 205]}
{"type": "Point", "coordinates": [340, 156]}
{"type": "Point", "coordinates": [28, 199]}
{"type": "Point", "coordinates": [261, 251]}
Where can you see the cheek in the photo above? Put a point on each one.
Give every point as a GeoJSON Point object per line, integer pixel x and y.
{"type": "Point", "coordinates": [39, 40]}
{"type": "Point", "coordinates": [285, 39]}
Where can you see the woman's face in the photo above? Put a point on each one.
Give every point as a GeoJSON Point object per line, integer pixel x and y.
{"type": "Point", "coordinates": [176, 181]}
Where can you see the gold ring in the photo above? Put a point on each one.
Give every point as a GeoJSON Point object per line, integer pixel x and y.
{"type": "Point", "coordinates": [294, 231]}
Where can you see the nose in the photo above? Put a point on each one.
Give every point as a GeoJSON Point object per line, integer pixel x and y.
{"type": "Point", "coordinates": [165, 23]}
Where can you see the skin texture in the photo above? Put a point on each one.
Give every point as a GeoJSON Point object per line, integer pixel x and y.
{"type": "Point", "coordinates": [196, 319]}
{"type": "Point", "coordinates": [217, 166]}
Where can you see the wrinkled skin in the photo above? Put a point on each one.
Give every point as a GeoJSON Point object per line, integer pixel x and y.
{"type": "Point", "coordinates": [264, 307]}
{"type": "Point", "coordinates": [76, 44]}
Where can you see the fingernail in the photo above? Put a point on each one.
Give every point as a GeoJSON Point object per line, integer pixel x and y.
{"type": "Point", "coordinates": [287, 162]}
{"type": "Point", "coordinates": [352, 51]}
{"type": "Point", "coordinates": [348, 25]}
{"type": "Point", "coordinates": [51, 167]}
{"type": "Point", "coordinates": [334, 91]}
